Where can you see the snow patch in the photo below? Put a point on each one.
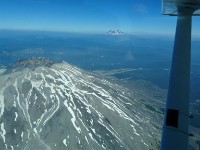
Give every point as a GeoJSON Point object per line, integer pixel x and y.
{"type": "Point", "coordinates": [22, 136]}
{"type": "Point", "coordinates": [16, 115]}
{"type": "Point", "coordinates": [65, 142]}
{"type": "Point", "coordinates": [3, 132]}
{"type": "Point", "coordinates": [73, 119]}
{"type": "Point", "coordinates": [87, 139]}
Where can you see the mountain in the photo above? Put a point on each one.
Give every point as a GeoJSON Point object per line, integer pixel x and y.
{"type": "Point", "coordinates": [114, 32]}
{"type": "Point", "coordinates": [56, 106]}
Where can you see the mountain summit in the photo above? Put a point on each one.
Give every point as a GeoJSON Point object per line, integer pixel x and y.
{"type": "Point", "coordinates": [115, 32]}
{"type": "Point", "coordinates": [59, 106]}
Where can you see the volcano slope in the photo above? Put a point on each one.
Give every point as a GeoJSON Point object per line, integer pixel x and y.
{"type": "Point", "coordinates": [57, 106]}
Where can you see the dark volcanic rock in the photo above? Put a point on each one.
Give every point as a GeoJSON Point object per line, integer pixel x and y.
{"type": "Point", "coordinates": [30, 63]}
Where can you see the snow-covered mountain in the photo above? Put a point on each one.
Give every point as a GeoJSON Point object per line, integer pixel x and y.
{"type": "Point", "coordinates": [114, 32]}
{"type": "Point", "coordinates": [57, 106]}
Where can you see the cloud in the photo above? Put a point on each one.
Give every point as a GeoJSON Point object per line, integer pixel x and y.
{"type": "Point", "coordinates": [139, 8]}
{"type": "Point", "coordinates": [129, 56]}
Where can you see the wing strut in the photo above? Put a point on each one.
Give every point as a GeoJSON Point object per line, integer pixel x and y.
{"type": "Point", "coordinates": [175, 134]}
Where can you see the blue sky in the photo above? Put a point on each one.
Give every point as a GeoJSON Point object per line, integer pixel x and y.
{"type": "Point", "coordinates": [94, 16]}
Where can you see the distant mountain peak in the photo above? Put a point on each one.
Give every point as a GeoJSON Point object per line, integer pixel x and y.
{"type": "Point", "coordinates": [115, 32]}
